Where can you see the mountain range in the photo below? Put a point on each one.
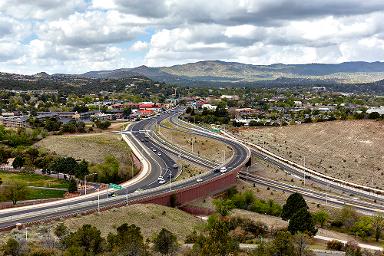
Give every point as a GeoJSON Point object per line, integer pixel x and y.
{"type": "Point", "coordinates": [233, 72]}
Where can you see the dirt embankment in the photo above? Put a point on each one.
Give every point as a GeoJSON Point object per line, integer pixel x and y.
{"type": "Point", "coordinates": [349, 150]}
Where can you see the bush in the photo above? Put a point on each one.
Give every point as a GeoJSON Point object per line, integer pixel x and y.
{"type": "Point", "coordinates": [335, 245]}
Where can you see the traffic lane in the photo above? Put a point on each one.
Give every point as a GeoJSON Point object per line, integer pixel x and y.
{"type": "Point", "coordinates": [143, 183]}
{"type": "Point", "coordinates": [315, 179]}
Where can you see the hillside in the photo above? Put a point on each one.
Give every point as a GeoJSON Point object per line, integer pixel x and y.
{"type": "Point", "coordinates": [348, 150]}
{"type": "Point", "coordinates": [233, 72]}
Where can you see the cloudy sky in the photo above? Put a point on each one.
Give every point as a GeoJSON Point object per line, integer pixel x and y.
{"type": "Point", "coordinates": [75, 36]}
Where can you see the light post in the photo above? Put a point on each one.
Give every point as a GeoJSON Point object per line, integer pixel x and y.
{"type": "Point", "coordinates": [304, 171]}
{"type": "Point", "coordinates": [98, 199]}
{"type": "Point", "coordinates": [170, 180]}
{"type": "Point", "coordinates": [85, 181]}
{"type": "Point", "coordinates": [26, 234]}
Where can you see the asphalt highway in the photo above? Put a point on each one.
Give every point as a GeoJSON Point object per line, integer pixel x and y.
{"type": "Point", "coordinates": [160, 164]}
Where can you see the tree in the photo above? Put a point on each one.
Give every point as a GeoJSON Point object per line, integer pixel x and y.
{"type": "Point", "coordinates": [72, 186]}
{"type": "Point", "coordinates": [102, 124]}
{"type": "Point", "coordinates": [127, 112]}
{"type": "Point", "coordinates": [282, 244]}
{"type": "Point", "coordinates": [128, 240]}
{"type": "Point", "coordinates": [87, 237]}
{"type": "Point", "coordinates": [302, 221]}
{"type": "Point", "coordinates": [294, 203]}
{"type": "Point", "coordinates": [18, 162]}
{"type": "Point", "coordinates": [352, 249]}
{"type": "Point", "coordinates": [165, 242]}
{"type": "Point", "coordinates": [82, 169]}
{"type": "Point", "coordinates": [11, 247]}
{"type": "Point", "coordinates": [15, 191]}
{"type": "Point", "coordinates": [61, 230]}
{"type": "Point", "coordinates": [321, 217]}
{"type": "Point", "coordinates": [347, 217]}
{"type": "Point", "coordinates": [363, 227]}
{"type": "Point", "coordinates": [378, 226]}
{"type": "Point", "coordinates": [301, 242]}
{"type": "Point", "coordinates": [223, 207]}
{"type": "Point", "coordinates": [218, 241]}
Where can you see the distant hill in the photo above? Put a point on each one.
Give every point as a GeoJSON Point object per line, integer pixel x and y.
{"type": "Point", "coordinates": [232, 72]}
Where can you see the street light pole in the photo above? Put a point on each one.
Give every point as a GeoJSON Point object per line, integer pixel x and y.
{"type": "Point", "coordinates": [85, 181]}
{"type": "Point", "coordinates": [98, 200]}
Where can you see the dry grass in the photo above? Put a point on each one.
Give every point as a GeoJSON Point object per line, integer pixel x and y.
{"type": "Point", "coordinates": [149, 217]}
{"type": "Point", "coordinates": [350, 150]}
{"type": "Point", "coordinates": [202, 146]}
{"type": "Point", "coordinates": [91, 147]}
{"type": "Point", "coordinates": [189, 170]}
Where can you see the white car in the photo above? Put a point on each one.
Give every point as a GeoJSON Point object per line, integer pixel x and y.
{"type": "Point", "coordinates": [160, 178]}
{"type": "Point", "coordinates": [161, 181]}
{"type": "Point", "coordinates": [223, 169]}
{"type": "Point", "coordinates": [159, 154]}
{"type": "Point", "coordinates": [199, 180]}
{"type": "Point", "coordinates": [154, 150]}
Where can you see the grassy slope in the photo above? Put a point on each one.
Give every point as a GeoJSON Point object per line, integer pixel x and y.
{"type": "Point", "coordinates": [349, 150]}
{"type": "Point", "coordinates": [91, 147]}
{"type": "Point", "coordinates": [31, 179]}
{"type": "Point", "coordinates": [148, 217]}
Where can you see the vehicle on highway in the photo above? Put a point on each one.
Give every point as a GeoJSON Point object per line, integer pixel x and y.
{"type": "Point", "coordinates": [159, 154]}
{"type": "Point", "coordinates": [161, 181]}
{"type": "Point", "coordinates": [199, 180]}
{"type": "Point", "coordinates": [216, 170]}
{"type": "Point", "coordinates": [142, 140]}
{"type": "Point", "coordinates": [223, 169]}
{"type": "Point", "coordinates": [154, 150]}
{"type": "Point", "coordinates": [112, 194]}
{"type": "Point", "coordinates": [160, 178]}
{"type": "Point", "coordinates": [175, 166]}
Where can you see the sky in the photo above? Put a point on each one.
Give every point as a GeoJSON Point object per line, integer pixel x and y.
{"type": "Point", "coordinates": [76, 36]}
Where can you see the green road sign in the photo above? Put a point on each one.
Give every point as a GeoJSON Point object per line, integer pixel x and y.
{"type": "Point", "coordinates": [115, 186]}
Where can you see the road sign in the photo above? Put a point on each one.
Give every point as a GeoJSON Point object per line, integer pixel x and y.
{"type": "Point", "coordinates": [115, 186]}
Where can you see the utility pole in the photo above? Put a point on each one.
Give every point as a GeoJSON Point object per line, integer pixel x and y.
{"type": "Point", "coordinates": [304, 170]}
{"type": "Point", "coordinates": [85, 181]}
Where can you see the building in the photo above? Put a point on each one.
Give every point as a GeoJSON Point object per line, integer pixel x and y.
{"type": "Point", "coordinates": [15, 122]}
{"type": "Point", "coordinates": [230, 97]}
{"type": "Point", "coordinates": [209, 106]}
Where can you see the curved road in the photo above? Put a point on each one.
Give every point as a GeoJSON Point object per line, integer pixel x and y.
{"type": "Point", "coordinates": [160, 164]}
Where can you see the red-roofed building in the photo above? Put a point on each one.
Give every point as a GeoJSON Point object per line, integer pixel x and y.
{"type": "Point", "coordinates": [150, 106]}
{"type": "Point", "coordinates": [145, 112]}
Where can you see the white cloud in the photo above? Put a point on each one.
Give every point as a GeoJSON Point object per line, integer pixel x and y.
{"type": "Point", "coordinates": [75, 35]}
{"type": "Point", "coordinates": [139, 46]}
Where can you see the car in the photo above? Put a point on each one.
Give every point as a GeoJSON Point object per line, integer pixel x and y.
{"type": "Point", "coordinates": [160, 178]}
{"type": "Point", "coordinates": [216, 170]}
{"type": "Point", "coordinates": [223, 169]}
{"type": "Point", "coordinates": [159, 154]}
{"type": "Point", "coordinates": [161, 181]}
{"type": "Point", "coordinates": [175, 166]}
{"type": "Point", "coordinates": [199, 179]}
{"type": "Point", "coordinates": [154, 150]}
{"type": "Point", "coordinates": [142, 140]}
{"type": "Point", "coordinates": [112, 194]}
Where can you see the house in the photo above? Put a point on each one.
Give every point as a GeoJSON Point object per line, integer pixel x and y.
{"type": "Point", "coordinates": [15, 121]}
{"type": "Point", "coordinates": [209, 106]}
{"type": "Point", "coordinates": [298, 103]}
{"type": "Point", "coordinates": [230, 97]}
